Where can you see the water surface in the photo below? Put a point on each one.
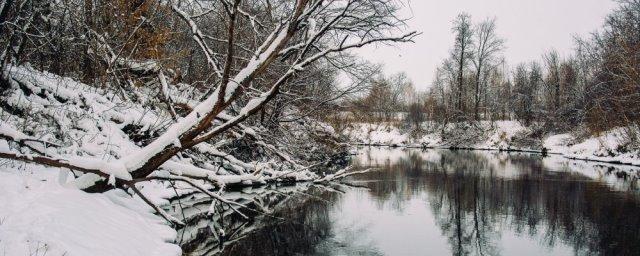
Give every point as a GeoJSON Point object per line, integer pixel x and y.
{"type": "Point", "coordinates": [440, 202]}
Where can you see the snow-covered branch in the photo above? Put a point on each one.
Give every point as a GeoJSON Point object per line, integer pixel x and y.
{"type": "Point", "coordinates": [199, 38]}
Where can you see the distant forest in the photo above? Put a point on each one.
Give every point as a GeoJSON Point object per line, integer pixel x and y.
{"type": "Point", "coordinates": [596, 87]}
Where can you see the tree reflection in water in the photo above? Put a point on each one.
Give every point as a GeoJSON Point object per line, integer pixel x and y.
{"type": "Point", "coordinates": [474, 198]}
{"type": "Point", "coordinates": [297, 220]}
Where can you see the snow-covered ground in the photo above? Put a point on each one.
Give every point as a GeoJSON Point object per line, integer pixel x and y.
{"type": "Point", "coordinates": [39, 216]}
{"type": "Point", "coordinates": [611, 146]}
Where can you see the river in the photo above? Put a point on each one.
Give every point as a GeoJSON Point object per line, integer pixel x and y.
{"type": "Point", "coordinates": [439, 202]}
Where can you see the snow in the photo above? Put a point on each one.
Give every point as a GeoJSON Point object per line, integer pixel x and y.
{"type": "Point", "coordinates": [558, 143]}
{"type": "Point", "coordinates": [38, 216]}
{"type": "Point", "coordinates": [252, 104]}
{"type": "Point", "coordinates": [313, 24]}
{"type": "Point", "coordinates": [12, 133]}
{"type": "Point", "coordinates": [260, 59]}
{"type": "Point", "coordinates": [144, 66]}
{"type": "Point", "coordinates": [165, 85]}
{"type": "Point", "coordinates": [114, 169]}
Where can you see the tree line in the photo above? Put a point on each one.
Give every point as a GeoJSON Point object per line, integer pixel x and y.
{"type": "Point", "coordinates": [596, 86]}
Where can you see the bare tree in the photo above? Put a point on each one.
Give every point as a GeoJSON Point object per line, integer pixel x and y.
{"type": "Point", "coordinates": [415, 116]}
{"type": "Point", "coordinates": [552, 82]}
{"type": "Point", "coordinates": [461, 54]}
{"type": "Point", "coordinates": [488, 45]}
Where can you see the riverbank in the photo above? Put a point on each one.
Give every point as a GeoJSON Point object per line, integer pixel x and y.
{"type": "Point", "coordinates": [609, 147]}
{"type": "Point", "coordinates": [41, 216]}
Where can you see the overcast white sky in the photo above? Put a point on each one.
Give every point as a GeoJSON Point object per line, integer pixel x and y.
{"type": "Point", "coordinates": [530, 27]}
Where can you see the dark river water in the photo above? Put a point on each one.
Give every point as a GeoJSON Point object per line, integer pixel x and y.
{"type": "Point", "coordinates": [440, 202]}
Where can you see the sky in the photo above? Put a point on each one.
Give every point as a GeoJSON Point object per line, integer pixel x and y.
{"type": "Point", "coordinates": [530, 28]}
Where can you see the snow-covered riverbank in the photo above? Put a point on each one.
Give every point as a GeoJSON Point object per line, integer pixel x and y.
{"type": "Point", "coordinates": [609, 147]}
{"type": "Point", "coordinates": [40, 216]}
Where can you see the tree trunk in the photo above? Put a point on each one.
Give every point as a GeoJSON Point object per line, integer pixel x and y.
{"type": "Point", "coordinates": [87, 63]}
{"type": "Point", "coordinates": [460, 81]}
{"type": "Point", "coordinates": [477, 96]}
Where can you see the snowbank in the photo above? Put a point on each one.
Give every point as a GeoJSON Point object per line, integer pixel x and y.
{"type": "Point", "coordinates": [38, 216]}
{"type": "Point", "coordinates": [610, 147]}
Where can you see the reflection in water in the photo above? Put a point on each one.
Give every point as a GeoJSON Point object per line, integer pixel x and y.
{"type": "Point", "coordinates": [456, 203]}
{"type": "Point", "coordinates": [218, 234]}
{"type": "Point", "coordinates": [299, 233]}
